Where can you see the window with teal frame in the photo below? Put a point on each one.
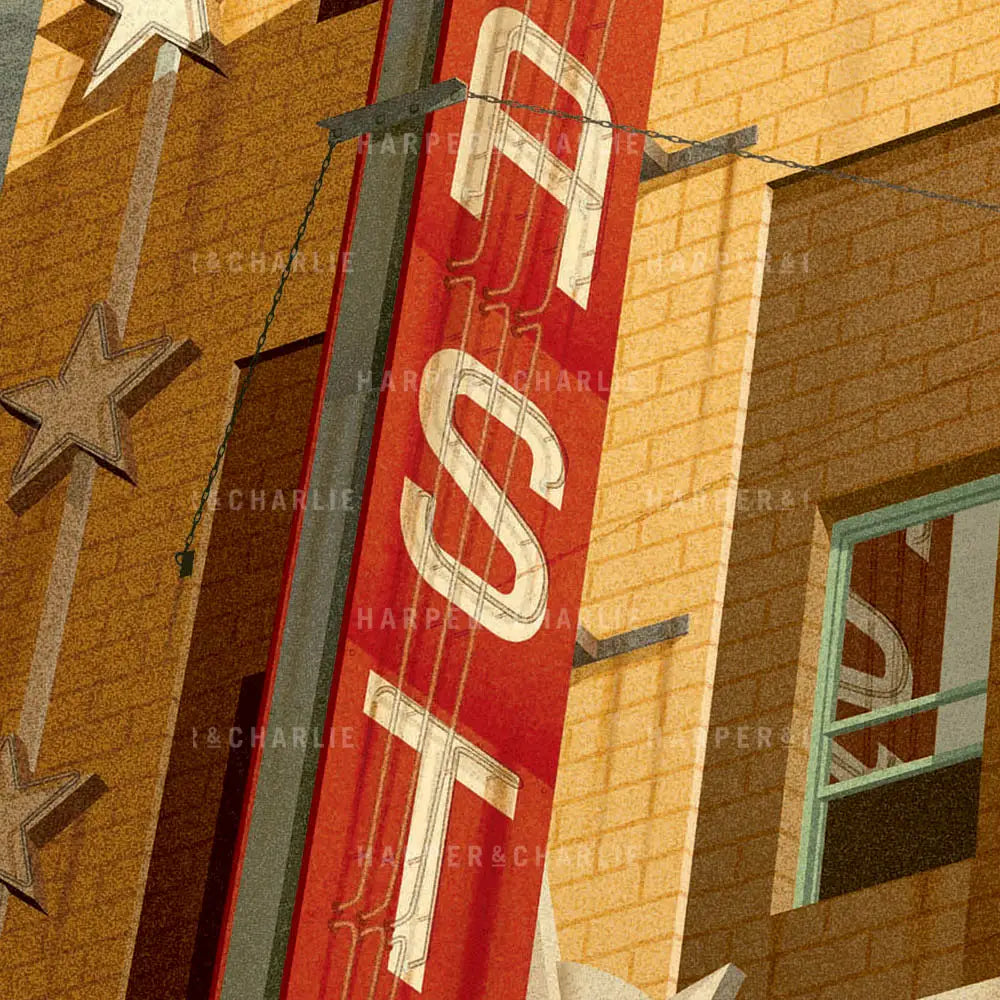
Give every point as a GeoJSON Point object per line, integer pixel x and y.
{"type": "Point", "coordinates": [893, 778]}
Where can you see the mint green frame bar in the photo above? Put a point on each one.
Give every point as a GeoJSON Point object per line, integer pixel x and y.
{"type": "Point", "coordinates": [844, 536]}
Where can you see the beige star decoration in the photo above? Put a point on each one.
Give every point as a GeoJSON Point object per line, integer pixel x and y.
{"type": "Point", "coordinates": [183, 22]}
{"type": "Point", "coordinates": [87, 405]}
{"type": "Point", "coordinates": [32, 811]}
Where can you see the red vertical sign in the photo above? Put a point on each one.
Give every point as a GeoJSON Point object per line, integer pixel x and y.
{"type": "Point", "coordinates": [431, 818]}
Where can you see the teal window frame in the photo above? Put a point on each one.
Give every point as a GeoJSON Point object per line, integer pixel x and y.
{"type": "Point", "coordinates": [844, 535]}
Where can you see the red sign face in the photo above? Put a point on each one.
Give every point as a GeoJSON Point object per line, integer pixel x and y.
{"type": "Point", "coordinates": [429, 829]}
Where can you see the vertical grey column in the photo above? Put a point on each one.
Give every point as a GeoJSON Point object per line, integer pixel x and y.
{"type": "Point", "coordinates": [272, 861]}
{"type": "Point", "coordinates": [18, 26]}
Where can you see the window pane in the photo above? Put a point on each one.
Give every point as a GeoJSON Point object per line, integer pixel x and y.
{"type": "Point", "coordinates": [916, 737]}
{"type": "Point", "coordinates": [918, 621]}
{"type": "Point", "coordinates": [900, 829]}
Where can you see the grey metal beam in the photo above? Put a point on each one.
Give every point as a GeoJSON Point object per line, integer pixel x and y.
{"type": "Point", "coordinates": [590, 650]}
{"type": "Point", "coordinates": [280, 813]}
{"type": "Point", "coordinates": [18, 27]}
{"type": "Point", "coordinates": [385, 115]}
{"type": "Point", "coordinates": [657, 162]}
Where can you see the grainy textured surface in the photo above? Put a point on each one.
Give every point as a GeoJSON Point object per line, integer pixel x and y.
{"type": "Point", "coordinates": [874, 380]}
{"type": "Point", "coordinates": [240, 156]}
{"type": "Point", "coordinates": [188, 878]}
{"type": "Point", "coordinates": [821, 79]}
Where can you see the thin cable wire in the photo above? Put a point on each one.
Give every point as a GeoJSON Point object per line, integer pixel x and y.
{"type": "Point", "coordinates": [745, 154]}
{"type": "Point", "coordinates": [184, 556]}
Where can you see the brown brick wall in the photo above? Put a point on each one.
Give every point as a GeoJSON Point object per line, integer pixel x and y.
{"type": "Point", "coordinates": [873, 381]}
{"type": "Point", "coordinates": [240, 156]}
{"type": "Point", "coordinates": [192, 854]}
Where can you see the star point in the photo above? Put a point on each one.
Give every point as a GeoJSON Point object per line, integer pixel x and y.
{"type": "Point", "coordinates": [87, 406]}
{"type": "Point", "coordinates": [32, 811]}
{"type": "Point", "coordinates": [185, 23]}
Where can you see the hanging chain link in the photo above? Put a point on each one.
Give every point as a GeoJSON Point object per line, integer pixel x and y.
{"type": "Point", "coordinates": [745, 154]}
{"type": "Point", "coordinates": [185, 558]}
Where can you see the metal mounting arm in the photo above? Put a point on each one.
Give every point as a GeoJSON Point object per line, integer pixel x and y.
{"type": "Point", "coordinates": [657, 162]}
{"type": "Point", "coordinates": [589, 650]}
{"type": "Point", "coordinates": [385, 115]}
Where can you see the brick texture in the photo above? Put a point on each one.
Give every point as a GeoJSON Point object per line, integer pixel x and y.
{"type": "Point", "coordinates": [864, 336]}
{"type": "Point", "coordinates": [192, 854]}
{"type": "Point", "coordinates": [240, 156]}
{"type": "Point", "coordinates": [857, 413]}
{"type": "Point", "coordinates": [822, 80]}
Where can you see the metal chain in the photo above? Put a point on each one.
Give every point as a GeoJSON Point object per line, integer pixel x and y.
{"type": "Point", "coordinates": [744, 153]}
{"type": "Point", "coordinates": [185, 558]}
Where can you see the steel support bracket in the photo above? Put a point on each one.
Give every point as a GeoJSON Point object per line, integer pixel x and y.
{"type": "Point", "coordinates": [657, 162]}
{"type": "Point", "coordinates": [590, 650]}
{"type": "Point", "coordinates": [379, 118]}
